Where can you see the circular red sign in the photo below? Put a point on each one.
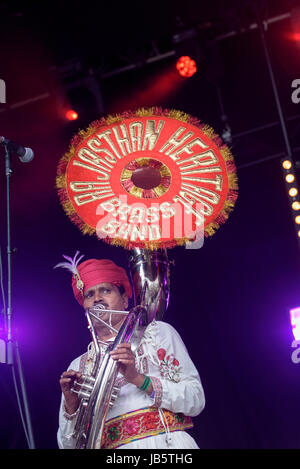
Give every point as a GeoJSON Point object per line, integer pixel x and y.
{"type": "Point", "coordinates": [149, 179]}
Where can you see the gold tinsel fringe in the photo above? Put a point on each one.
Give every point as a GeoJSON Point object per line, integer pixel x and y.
{"type": "Point", "coordinates": [178, 115]}
{"type": "Point", "coordinates": [213, 226]}
{"type": "Point", "coordinates": [69, 154]}
{"type": "Point", "coordinates": [209, 131]}
{"type": "Point", "coordinates": [86, 229]}
{"type": "Point", "coordinates": [61, 181]}
{"type": "Point", "coordinates": [226, 153]}
{"type": "Point", "coordinates": [147, 112]}
{"type": "Point", "coordinates": [233, 181]}
{"type": "Point", "coordinates": [68, 208]}
{"type": "Point", "coordinates": [112, 119]}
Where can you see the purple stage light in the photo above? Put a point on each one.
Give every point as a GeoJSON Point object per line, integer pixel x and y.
{"type": "Point", "coordinates": [2, 345]}
{"type": "Point", "coordinates": [295, 322]}
{"type": "Point", "coordinates": [2, 351]}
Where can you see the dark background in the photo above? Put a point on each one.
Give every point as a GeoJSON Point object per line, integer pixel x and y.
{"type": "Point", "coordinates": [230, 300]}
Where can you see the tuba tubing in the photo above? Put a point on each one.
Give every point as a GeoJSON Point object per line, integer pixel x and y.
{"type": "Point", "coordinates": [94, 406]}
{"type": "Point", "coordinates": [151, 283]}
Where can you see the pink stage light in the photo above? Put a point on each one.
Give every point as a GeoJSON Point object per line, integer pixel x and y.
{"type": "Point", "coordinates": [186, 66]}
{"type": "Point", "coordinates": [71, 115]}
{"type": "Point", "coordinates": [295, 322]}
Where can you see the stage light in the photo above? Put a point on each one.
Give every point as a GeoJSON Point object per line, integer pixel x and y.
{"type": "Point", "coordinates": [71, 115]}
{"type": "Point", "coordinates": [186, 66]}
{"type": "Point", "coordinates": [294, 35]}
{"type": "Point", "coordinates": [290, 178]}
{"type": "Point", "coordinates": [296, 205]}
{"type": "Point", "coordinates": [293, 192]}
{"type": "Point", "coordinates": [286, 164]}
{"type": "Point", "coordinates": [295, 322]}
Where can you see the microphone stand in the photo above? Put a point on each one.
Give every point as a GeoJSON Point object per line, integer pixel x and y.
{"type": "Point", "coordinates": [13, 358]}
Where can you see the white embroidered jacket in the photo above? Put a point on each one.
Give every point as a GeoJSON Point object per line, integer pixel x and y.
{"type": "Point", "coordinates": [162, 355]}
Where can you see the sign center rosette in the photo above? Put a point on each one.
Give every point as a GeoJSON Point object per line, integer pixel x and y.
{"type": "Point", "coordinates": [151, 179]}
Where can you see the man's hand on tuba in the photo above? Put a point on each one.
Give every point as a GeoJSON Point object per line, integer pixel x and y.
{"type": "Point", "coordinates": [66, 382]}
{"type": "Point", "coordinates": [126, 359]}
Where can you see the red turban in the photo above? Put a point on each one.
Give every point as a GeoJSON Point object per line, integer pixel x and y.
{"type": "Point", "coordinates": [94, 271]}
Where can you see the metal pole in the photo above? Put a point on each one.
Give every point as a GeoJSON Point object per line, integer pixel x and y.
{"type": "Point", "coordinates": [262, 27]}
{"type": "Point", "coordinates": [28, 428]}
{"type": "Point", "coordinates": [13, 359]}
{"type": "Point", "coordinates": [8, 173]}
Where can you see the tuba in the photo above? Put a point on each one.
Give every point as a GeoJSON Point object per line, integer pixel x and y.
{"type": "Point", "coordinates": [98, 391]}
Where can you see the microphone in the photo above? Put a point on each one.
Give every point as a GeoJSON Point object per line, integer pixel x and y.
{"type": "Point", "coordinates": [25, 154]}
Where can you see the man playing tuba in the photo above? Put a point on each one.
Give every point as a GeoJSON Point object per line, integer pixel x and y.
{"type": "Point", "coordinates": [159, 386]}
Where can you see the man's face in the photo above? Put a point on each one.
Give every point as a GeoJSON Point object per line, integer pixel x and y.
{"type": "Point", "coordinates": [109, 295]}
